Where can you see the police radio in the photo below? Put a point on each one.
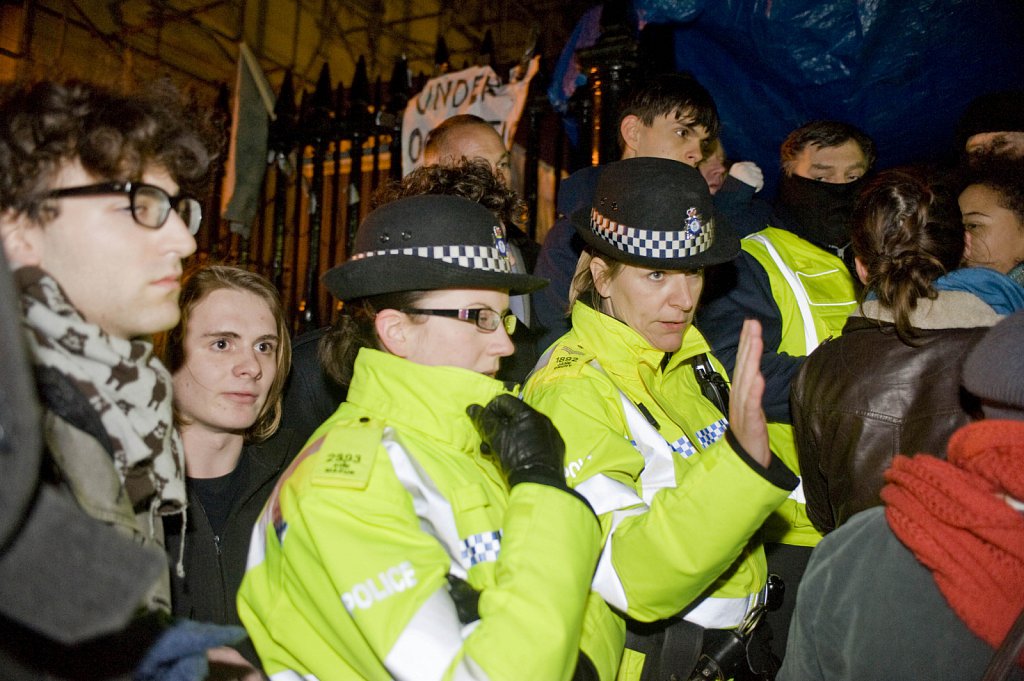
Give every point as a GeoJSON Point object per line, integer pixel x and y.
{"type": "Point", "coordinates": [712, 385]}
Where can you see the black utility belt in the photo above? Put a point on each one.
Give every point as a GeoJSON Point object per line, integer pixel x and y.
{"type": "Point", "coordinates": [676, 649]}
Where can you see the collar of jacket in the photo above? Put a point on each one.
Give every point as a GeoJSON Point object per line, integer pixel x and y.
{"type": "Point", "coordinates": [621, 350]}
{"type": "Point", "coordinates": [949, 310]}
{"type": "Point", "coordinates": [271, 456]}
{"type": "Point", "coordinates": [429, 399]}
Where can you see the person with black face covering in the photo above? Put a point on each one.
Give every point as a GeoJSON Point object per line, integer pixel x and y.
{"type": "Point", "coordinates": [793, 276]}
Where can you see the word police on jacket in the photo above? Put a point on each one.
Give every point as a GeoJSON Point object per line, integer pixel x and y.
{"type": "Point", "coordinates": [395, 579]}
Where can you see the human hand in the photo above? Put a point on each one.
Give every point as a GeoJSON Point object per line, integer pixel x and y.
{"type": "Point", "coordinates": [746, 417]}
{"type": "Point", "coordinates": [527, 443]}
{"type": "Point", "coordinates": [227, 664]}
{"type": "Point", "coordinates": [749, 173]}
{"type": "Point", "coordinates": [180, 652]}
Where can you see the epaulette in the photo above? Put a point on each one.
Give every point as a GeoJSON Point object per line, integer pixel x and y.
{"type": "Point", "coordinates": [567, 360]}
{"type": "Point", "coordinates": [347, 455]}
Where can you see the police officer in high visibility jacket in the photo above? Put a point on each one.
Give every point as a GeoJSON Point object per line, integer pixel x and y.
{"type": "Point", "coordinates": [795, 277]}
{"type": "Point", "coordinates": [394, 547]}
{"type": "Point", "coordinates": [680, 486]}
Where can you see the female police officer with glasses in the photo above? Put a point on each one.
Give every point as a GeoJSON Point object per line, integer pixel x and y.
{"type": "Point", "coordinates": [680, 489]}
{"type": "Point", "coordinates": [395, 548]}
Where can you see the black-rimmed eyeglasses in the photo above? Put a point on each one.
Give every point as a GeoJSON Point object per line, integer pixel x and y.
{"type": "Point", "coordinates": [151, 205]}
{"type": "Point", "coordinates": [485, 318]}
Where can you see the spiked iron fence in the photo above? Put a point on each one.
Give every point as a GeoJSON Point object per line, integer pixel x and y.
{"type": "Point", "coordinates": [332, 147]}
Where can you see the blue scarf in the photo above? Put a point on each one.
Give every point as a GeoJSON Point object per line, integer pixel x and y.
{"type": "Point", "coordinates": [1002, 294]}
{"type": "Point", "coordinates": [1017, 274]}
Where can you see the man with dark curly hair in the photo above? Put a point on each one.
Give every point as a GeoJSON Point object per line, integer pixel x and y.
{"type": "Point", "coordinates": [96, 215]}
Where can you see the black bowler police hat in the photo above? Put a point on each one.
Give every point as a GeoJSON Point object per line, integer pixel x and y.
{"type": "Point", "coordinates": [425, 243]}
{"type": "Point", "coordinates": [655, 213]}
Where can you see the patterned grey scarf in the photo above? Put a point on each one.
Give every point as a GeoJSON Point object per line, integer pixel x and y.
{"type": "Point", "coordinates": [124, 382]}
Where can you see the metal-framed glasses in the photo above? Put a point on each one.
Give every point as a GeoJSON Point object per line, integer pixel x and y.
{"type": "Point", "coordinates": [485, 318]}
{"type": "Point", "coordinates": [151, 205]}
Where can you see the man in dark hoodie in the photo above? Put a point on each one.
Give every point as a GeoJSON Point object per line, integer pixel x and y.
{"type": "Point", "coordinates": [794, 276]}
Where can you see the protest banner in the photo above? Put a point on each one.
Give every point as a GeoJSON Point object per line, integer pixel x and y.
{"type": "Point", "coordinates": [476, 90]}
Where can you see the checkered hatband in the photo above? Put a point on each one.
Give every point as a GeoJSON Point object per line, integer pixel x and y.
{"type": "Point", "coordinates": [486, 258]}
{"type": "Point", "coordinates": [661, 244]}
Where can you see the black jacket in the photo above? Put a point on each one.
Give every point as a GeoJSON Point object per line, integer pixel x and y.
{"type": "Point", "coordinates": [214, 566]}
{"type": "Point", "coordinates": [866, 396]}
{"type": "Point", "coordinates": [735, 291]}
{"type": "Point", "coordinates": [310, 395]}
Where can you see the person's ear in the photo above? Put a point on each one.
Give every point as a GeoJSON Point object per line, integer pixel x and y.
{"type": "Point", "coordinates": [599, 270]}
{"type": "Point", "coordinates": [862, 271]}
{"type": "Point", "coordinates": [21, 242]}
{"type": "Point", "coordinates": [393, 329]}
{"type": "Point", "coordinates": [629, 128]}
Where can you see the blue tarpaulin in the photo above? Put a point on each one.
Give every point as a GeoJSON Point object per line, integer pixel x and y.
{"type": "Point", "coordinates": [902, 70]}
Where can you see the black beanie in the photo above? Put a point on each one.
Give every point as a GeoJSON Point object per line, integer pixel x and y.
{"type": "Point", "coordinates": [992, 112]}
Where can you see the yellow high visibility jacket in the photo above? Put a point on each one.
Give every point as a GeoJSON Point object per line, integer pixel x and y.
{"type": "Point", "coordinates": [680, 508]}
{"type": "Point", "coordinates": [347, 573]}
{"type": "Point", "coordinates": [815, 295]}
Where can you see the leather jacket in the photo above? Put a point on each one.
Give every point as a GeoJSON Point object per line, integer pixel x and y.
{"type": "Point", "coordinates": [863, 397]}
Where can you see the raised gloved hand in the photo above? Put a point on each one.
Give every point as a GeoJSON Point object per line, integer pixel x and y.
{"type": "Point", "coordinates": [748, 172]}
{"type": "Point", "coordinates": [527, 444]}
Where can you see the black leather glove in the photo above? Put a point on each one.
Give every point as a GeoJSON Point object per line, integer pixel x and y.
{"type": "Point", "coordinates": [466, 599]}
{"type": "Point", "coordinates": [527, 444]}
